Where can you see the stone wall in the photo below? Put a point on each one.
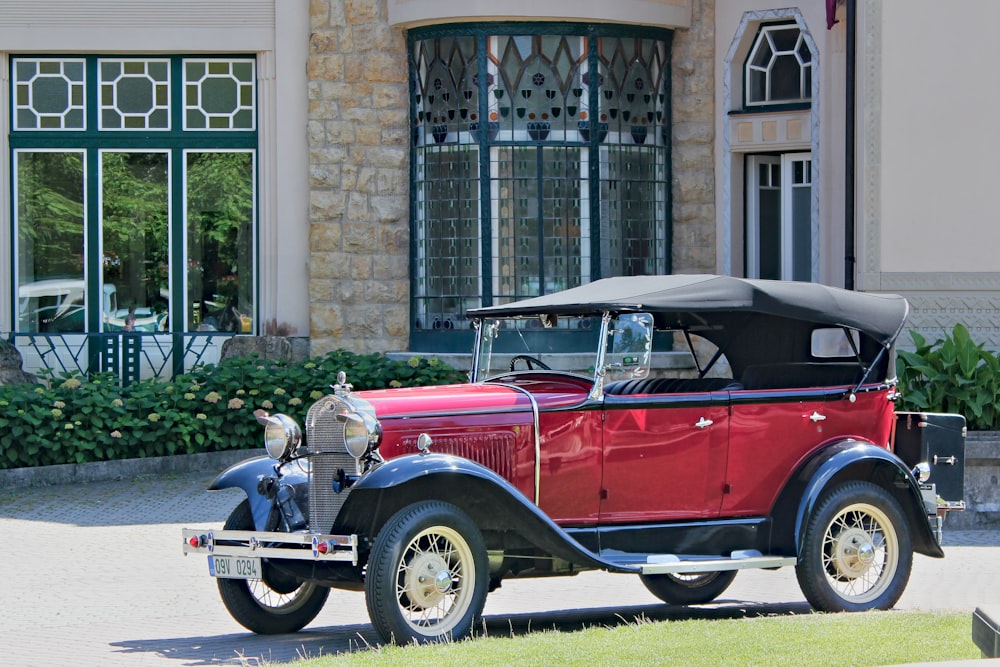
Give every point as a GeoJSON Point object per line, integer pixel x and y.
{"type": "Point", "coordinates": [359, 173]}
{"type": "Point", "coordinates": [359, 178]}
{"type": "Point", "coordinates": [693, 102]}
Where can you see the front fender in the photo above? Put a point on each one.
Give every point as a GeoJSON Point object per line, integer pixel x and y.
{"type": "Point", "coordinates": [836, 463]}
{"type": "Point", "coordinates": [247, 474]}
{"type": "Point", "coordinates": [490, 500]}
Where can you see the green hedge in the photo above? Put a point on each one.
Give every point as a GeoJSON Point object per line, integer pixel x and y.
{"type": "Point", "coordinates": [953, 374]}
{"type": "Point", "coordinates": [71, 418]}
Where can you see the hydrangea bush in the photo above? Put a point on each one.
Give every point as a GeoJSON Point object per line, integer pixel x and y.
{"type": "Point", "coordinates": [71, 418]}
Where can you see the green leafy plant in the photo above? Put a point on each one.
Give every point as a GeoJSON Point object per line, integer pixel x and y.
{"type": "Point", "coordinates": [71, 418]}
{"type": "Point", "coordinates": [953, 374]}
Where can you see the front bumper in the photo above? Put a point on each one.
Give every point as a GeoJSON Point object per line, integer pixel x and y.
{"type": "Point", "coordinates": [285, 546]}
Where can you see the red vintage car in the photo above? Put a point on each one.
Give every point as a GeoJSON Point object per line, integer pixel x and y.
{"type": "Point", "coordinates": [718, 424]}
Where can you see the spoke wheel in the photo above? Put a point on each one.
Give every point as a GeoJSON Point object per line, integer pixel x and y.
{"type": "Point", "coordinates": [276, 604]}
{"type": "Point", "coordinates": [427, 576]}
{"type": "Point", "coordinates": [857, 554]}
{"type": "Point", "coordinates": [684, 589]}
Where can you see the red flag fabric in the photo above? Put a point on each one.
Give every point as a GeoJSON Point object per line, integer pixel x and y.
{"type": "Point", "coordinates": [831, 13]}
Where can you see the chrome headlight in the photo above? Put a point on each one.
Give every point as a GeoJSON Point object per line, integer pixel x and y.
{"type": "Point", "coordinates": [362, 433]}
{"type": "Point", "coordinates": [282, 434]}
{"type": "Point", "coordinates": [922, 471]}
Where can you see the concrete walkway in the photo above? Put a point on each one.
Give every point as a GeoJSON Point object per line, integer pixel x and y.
{"type": "Point", "coordinates": [95, 576]}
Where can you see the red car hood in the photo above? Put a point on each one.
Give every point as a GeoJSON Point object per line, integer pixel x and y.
{"type": "Point", "coordinates": [408, 402]}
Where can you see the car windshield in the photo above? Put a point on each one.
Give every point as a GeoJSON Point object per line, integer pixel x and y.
{"type": "Point", "coordinates": [539, 343]}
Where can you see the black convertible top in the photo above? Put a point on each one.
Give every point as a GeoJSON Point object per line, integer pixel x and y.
{"type": "Point", "coordinates": [687, 298]}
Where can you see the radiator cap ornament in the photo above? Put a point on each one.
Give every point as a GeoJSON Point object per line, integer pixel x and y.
{"type": "Point", "coordinates": [342, 388]}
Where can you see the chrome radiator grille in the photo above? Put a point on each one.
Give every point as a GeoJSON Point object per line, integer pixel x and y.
{"type": "Point", "coordinates": [325, 440]}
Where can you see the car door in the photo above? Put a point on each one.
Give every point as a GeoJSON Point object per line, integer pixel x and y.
{"type": "Point", "coordinates": [771, 431]}
{"type": "Point", "coordinates": [664, 456]}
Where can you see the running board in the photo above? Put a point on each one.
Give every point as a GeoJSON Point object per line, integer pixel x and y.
{"type": "Point", "coordinates": [674, 564]}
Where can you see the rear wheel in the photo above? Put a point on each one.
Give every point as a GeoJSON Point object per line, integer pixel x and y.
{"type": "Point", "coordinates": [684, 589]}
{"type": "Point", "coordinates": [275, 604]}
{"type": "Point", "coordinates": [857, 552]}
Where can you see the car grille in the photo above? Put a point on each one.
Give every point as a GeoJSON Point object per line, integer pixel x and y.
{"type": "Point", "coordinates": [327, 455]}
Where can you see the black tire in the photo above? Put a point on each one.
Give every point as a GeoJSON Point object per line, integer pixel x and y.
{"type": "Point", "coordinates": [685, 589]}
{"type": "Point", "coordinates": [857, 552]}
{"type": "Point", "coordinates": [274, 605]}
{"type": "Point", "coordinates": [427, 575]}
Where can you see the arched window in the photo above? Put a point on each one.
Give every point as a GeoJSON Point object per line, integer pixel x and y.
{"type": "Point", "coordinates": [540, 162]}
{"type": "Point", "coordinates": [779, 67]}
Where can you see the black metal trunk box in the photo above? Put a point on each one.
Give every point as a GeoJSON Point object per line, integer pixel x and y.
{"type": "Point", "coordinates": [938, 439]}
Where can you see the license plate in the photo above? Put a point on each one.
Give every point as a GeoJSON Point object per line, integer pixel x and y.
{"type": "Point", "coordinates": [234, 567]}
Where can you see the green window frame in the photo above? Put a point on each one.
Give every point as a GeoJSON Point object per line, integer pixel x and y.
{"type": "Point", "coordinates": [182, 130]}
{"type": "Point", "coordinates": [540, 160]}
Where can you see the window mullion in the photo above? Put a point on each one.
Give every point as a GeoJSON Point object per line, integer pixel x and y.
{"type": "Point", "coordinates": [594, 161]}
{"type": "Point", "coordinates": [486, 213]}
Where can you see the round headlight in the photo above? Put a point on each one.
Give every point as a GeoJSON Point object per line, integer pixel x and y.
{"type": "Point", "coordinates": [922, 471]}
{"type": "Point", "coordinates": [281, 436]}
{"type": "Point", "coordinates": [362, 433]}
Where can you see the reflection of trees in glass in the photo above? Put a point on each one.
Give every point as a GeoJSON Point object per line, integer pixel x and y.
{"type": "Point", "coordinates": [220, 236]}
{"type": "Point", "coordinates": [49, 215]}
{"type": "Point", "coordinates": [134, 220]}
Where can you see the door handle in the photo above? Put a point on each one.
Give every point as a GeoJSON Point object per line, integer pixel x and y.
{"type": "Point", "coordinates": [704, 423]}
{"type": "Point", "coordinates": [816, 417]}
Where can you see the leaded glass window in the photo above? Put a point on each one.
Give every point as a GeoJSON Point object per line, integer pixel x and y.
{"type": "Point", "coordinates": [540, 162]}
{"type": "Point", "coordinates": [145, 219]}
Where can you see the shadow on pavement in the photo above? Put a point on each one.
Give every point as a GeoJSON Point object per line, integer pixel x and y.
{"type": "Point", "coordinates": [250, 649]}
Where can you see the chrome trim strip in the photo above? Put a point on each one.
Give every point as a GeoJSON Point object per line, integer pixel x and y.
{"type": "Point", "coordinates": [538, 438]}
{"type": "Point", "coordinates": [597, 393]}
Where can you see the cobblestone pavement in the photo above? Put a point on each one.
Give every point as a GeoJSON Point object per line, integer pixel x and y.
{"type": "Point", "coordinates": [95, 576]}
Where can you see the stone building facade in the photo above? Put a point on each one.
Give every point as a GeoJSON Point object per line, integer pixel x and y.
{"type": "Point", "coordinates": [359, 129]}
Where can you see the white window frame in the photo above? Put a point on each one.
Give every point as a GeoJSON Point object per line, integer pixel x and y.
{"type": "Point", "coordinates": [787, 162]}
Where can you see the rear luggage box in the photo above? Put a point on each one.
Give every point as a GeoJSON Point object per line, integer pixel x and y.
{"type": "Point", "coordinates": [938, 439]}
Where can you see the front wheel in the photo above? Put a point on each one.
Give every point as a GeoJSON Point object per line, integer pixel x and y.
{"type": "Point", "coordinates": [688, 589]}
{"type": "Point", "coordinates": [857, 552]}
{"type": "Point", "coordinates": [427, 575]}
{"type": "Point", "coordinates": [276, 604]}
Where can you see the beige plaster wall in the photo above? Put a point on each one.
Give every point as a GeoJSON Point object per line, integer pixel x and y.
{"type": "Point", "coordinates": [939, 138]}
{"type": "Point", "coordinates": [927, 140]}
{"type": "Point", "coordinates": [662, 13]}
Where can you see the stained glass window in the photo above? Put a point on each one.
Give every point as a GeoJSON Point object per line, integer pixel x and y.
{"type": "Point", "coordinates": [540, 162]}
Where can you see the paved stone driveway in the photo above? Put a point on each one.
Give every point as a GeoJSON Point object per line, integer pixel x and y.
{"type": "Point", "coordinates": [94, 575]}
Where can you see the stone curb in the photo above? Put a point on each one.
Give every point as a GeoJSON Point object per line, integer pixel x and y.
{"type": "Point", "coordinates": [106, 471]}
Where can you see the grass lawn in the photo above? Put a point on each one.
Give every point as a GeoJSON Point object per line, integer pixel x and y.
{"type": "Point", "coordinates": [840, 640]}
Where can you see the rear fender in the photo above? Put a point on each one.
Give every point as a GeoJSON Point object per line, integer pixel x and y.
{"type": "Point", "coordinates": [855, 460]}
{"type": "Point", "coordinates": [492, 502]}
{"type": "Point", "coordinates": [248, 474]}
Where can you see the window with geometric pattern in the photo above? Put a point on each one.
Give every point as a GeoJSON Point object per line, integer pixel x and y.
{"type": "Point", "coordinates": [134, 182]}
